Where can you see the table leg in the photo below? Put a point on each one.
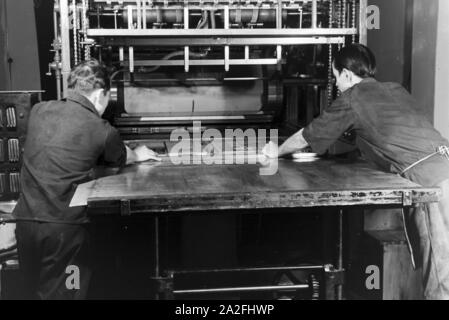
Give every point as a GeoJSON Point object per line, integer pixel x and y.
{"type": "Point", "coordinates": [340, 251]}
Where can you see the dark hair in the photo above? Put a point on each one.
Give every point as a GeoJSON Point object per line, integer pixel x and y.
{"type": "Point", "coordinates": [88, 76]}
{"type": "Point", "coordinates": [356, 58]}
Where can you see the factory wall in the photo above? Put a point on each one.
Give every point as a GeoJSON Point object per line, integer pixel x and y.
{"type": "Point", "coordinates": [441, 113]}
{"type": "Point", "coordinates": [19, 59]}
{"type": "Point", "coordinates": [425, 29]}
{"type": "Point", "coordinates": [392, 42]}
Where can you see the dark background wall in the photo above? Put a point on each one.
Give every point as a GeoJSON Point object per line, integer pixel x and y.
{"type": "Point", "coordinates": [45, 35]}
{"type": "Point", "coordinates": [392, 43]}
{"type": "Point", "coordinates": [19, 59]}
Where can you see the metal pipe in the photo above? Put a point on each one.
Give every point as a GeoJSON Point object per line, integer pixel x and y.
{"type": "Point", "coordinates": [170, 15]}
{"type": "Point", "coordinates": [226, 48]}
{"type": "Point", "coordinates": [312, 267]}
{"type": "Point", "coordinates": [340, 251]}
{"type": "Point", "coordinates": [156, 247]}
{"type": "Point", "coordinates": [75, 31]}
{"type": "Point", "coordinates": [213, 23]}
{"type": "Point", "coordinates": [131, 59]}
{"type": "Point", "coordinates": [57, 58]}
{"type": "Point", "coordinates": [186, 48]}
{"type": "Point", "coordinates": [65, 43]}
{"type": "Point", "coordinates": [363, 33]}
{"type": "Point", "coordinates": [245, 289]}
{"type": "Point", "coordinates": [314, 14]}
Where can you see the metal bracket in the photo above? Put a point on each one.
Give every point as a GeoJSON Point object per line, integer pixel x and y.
{"type": "Point", "coordinates": [333, 279]}
{"type": "Point", "coordinates": [125, 207]}
{"type": "Point", "coordinates": [407, 199]}
{"type": "Point", "coordinates": [163, 286]}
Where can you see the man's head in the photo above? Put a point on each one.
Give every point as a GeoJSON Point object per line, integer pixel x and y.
{"type": "Point", "coordinates": [91, 79]}
{"type": "Point", "coordinates": [352, 64]}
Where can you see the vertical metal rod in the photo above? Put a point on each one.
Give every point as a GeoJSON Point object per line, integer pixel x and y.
{"type": "Point", "coordinates": [130, 17]}
{"type": "Point", "coordinates": [330, 85]}
{"type": "Point", "coordinates": [279, 15]}
{"type": "Point", "coordinates": [156, 247]}
{"type": "Point", "coordinates": [139, 15]}
{"type": "Point", "coordinates": [246, 52]}
{"type": "Point", "coordinates": [226, 48]}
{"type": "Point", "coordinates": [314, 14]}
{"type": "Point", "coordinates": [57, 58]}
{"type": "Point", "coordinates": [131, 59]}
{"type": "Point", "coordinates": [186, 48]}
{"type": "Point", "coordinates": [156, 252]}
{"type": "Point", "coordinates": [279, 57]}
{"type": "Point", "coordinates": [279, 26]}
{"type": "Point", "coordinates": [363, 34]}
{"type": "Point", "coordinates": [75, 31]}
{"type": "Point", "coordinates": [353, 18]}
{"type": "Point", "coordinates": [65, 43]}
{"type": "Point", "coordinates": [121, 54]}
{"type": "Point", "coordinates": [340, 251]}
{"type": "Point", "coordinates": [144, 14]}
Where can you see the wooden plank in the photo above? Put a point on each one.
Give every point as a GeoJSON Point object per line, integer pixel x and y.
{"type": "Point", "coordinates": [163, 187]}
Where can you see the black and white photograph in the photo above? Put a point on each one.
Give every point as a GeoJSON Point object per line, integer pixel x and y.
{"type": "Point", "coordinates": [235, 158]}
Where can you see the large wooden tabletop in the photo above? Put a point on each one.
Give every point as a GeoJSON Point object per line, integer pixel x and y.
{"type": "Point", "coordinates": [164, 187]}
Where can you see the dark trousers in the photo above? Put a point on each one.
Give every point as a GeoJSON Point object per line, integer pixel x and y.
{"type": "Point", "coordinates": [54, 259]}
{"type": "Point", "coordinates": [429, 226]}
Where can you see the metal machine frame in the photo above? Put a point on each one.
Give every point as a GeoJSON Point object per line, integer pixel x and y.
{"type": "Point", "coordinates": [72, 46]}
{"type": "Point", "coordinates": [86, 28]}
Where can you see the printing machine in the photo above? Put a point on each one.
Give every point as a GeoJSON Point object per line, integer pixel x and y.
{"type": "Point", "coordinates": [228, 64]}
{"type": "Point", "coordinates": [225, 63]}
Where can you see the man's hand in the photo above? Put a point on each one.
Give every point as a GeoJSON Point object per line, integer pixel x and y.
{"type": "Point", "coordinates": [271, 150]}
{"type": "Point", "coordinates": [293, 144]}
{"type": "Point", "coordinates": [140, 154]}
{"type": "Point", "coordinates": [143, 153]}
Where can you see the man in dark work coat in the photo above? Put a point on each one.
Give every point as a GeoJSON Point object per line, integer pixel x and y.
{"type": "Point", "coordinates": [65, 141]}
{"type": "Point", "coordinates": [392, 134]}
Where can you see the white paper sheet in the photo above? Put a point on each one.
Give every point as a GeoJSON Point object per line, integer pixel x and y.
{"type": "Point", "coordinates": [82, 193]}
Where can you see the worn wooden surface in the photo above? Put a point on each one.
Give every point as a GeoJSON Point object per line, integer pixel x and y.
{"type": "Point", "coordinates": [163, 187]}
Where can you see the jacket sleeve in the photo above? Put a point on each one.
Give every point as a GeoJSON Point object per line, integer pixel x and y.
{"type": "Point", "coordinates": [325, 130]}
{"type": "Point", "coordinates": [114, 150]}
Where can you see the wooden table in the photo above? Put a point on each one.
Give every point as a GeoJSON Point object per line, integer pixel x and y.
{"type": "Point", "coordinates": [156, 189]}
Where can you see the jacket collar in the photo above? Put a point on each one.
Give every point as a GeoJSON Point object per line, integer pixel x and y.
{"type": "Point", "coordinates": [82, 100]}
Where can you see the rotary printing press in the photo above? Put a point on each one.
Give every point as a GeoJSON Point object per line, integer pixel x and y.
{"type": "Point", "coordinates": [253, 64]}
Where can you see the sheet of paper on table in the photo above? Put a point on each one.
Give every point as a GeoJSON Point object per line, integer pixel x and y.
{"type": "Point", "coordinates": [82, 193]}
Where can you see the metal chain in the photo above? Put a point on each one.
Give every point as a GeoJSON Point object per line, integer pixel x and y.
{"type": "Point", "coordinates": [339, 16]}
{"type": "Point", "coordinates": [354, 13]}
{"type": "Point", "coordinates": [330, 85]}
{"type": "Point", "coordinates": [85, 27]}
{"type": "Point", "coordinates": [343, 16]}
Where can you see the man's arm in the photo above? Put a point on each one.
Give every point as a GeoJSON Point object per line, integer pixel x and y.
{"type": "Point", "coordinates": [325, 130]}
{"type": "Point", "coordinates": [320, 134]}
{"type": "Point", "coordinates": [293, 144]}
{"type": "Point", "coordinates": [117, 154]}
{"type": "Point", "coordinates": [140, 154]}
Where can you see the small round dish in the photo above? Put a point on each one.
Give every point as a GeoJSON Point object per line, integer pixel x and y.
{"type": "Point", "coordinates": [304, 155]}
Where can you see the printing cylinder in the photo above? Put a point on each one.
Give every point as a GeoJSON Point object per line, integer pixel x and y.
{"type": "Point", "coordinates": [264, 15]}
{"type": "Point", "coordinates": [241, 15]}
{"type": "Point", "coordinates": [158, 16]}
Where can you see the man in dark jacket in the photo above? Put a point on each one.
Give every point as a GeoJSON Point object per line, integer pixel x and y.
{"type": "Point", "coordinates": [65, 141]}
{"type": "Point", "coordinates": [392, 134]}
